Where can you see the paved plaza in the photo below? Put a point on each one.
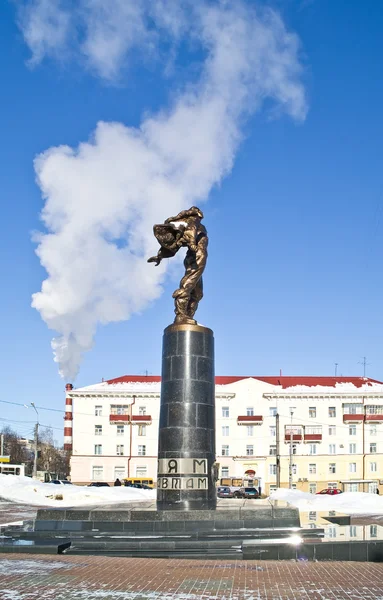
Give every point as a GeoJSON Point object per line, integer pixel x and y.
{"type": "Point", "coordinates": [90, 578]}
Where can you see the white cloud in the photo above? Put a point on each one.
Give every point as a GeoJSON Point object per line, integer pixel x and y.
{"type": "Point", "coordinates": [103, 197]}
{"type": "Point", "coordinates": [45, 26]}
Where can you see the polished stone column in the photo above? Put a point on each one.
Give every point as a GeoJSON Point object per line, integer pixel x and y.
{"type": "Point", "coordinates": [186, 446]}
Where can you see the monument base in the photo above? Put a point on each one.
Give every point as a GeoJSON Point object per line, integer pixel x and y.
{"type": "Point", "coordinates": [238, 529]}
{"type": "Point", "coordinates": [186, 444]}
{"type": "Point", "coordinates": [139, 530]}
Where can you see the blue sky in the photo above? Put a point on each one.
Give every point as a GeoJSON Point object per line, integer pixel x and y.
{"type": "Point", "coordinates": [295, 255]}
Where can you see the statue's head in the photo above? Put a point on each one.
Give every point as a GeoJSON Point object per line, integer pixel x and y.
{"type": "Point", "coordinates": [196, 211]}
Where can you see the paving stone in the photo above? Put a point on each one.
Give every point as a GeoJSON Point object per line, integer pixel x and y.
{"type": "Point", "coordinates": [114, 578]}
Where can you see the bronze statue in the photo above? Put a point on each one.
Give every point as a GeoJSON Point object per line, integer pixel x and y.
{"type": "Point", "coordinates": [185, 230]}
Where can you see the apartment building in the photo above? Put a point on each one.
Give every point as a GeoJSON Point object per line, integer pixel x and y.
{"type": "Point", "coordinates": [321, 431]}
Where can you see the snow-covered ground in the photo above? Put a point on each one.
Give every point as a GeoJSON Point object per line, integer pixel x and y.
{"type": "Point", "coordinates": [348, 503]}
{"type": "Point", "coordinates": [24, 490]}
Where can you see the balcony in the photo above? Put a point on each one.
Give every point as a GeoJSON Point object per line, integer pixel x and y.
{"type": "Point", "coordinates": [119, 419]}
{"type": "Point", "coordinates": [313, 437]}
{"type": "Point", "coordinates": [374, 418]}
{"type": "Point", "coordinates": [353, 418]}
{"type": "Point", "coordinates": [295, 437]}
{"type": "Point", "coordinates": [140, 419]}
{"type": "Point", "coordinates": [124, 419]}
{"type": "Point", "coordinates": [250, 420]}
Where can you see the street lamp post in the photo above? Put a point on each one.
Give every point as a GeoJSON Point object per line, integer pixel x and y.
{"type": "Point", "coordinates": [36, 438]}
{"type": "Point", "coordinates": [291, 450]}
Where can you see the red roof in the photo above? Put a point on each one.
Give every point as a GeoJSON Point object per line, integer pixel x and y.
{"type": "Point", "coordinates": [136, 379]}
{"type": "Point", "coordinates": [283, 381]}
{"type": "Point", "coordinates": [287, 382]}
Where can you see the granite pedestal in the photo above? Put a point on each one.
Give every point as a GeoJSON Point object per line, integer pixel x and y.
{"type": "Point", "coordinates": [186, 446]}
{"type": "Point", "coordinates": [139, 529]}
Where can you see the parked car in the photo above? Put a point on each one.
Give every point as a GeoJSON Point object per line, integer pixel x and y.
{"type": "Point", "coordinates": [249, 492]}
{"type": "Point", "coordinates": [140, 486]}
{"type": "Point", "coordinates": [98, 484]}
{"type": "Point", "coordinates": [331, 491]}
{"type": "Point", "coordinates": [224, 491]}
{"type": "Point", "coordinates": [61, 482]}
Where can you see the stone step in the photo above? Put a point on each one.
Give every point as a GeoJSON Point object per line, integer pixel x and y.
{"type": "Point", "coordinates": [190, 555]}
{"type": "Point", "coordinates": [235, 534]}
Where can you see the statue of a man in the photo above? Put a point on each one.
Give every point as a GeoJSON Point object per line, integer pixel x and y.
{"type": "Point", "coordinates": [185, 230]}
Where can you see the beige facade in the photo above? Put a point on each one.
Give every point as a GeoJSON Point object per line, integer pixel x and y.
{"type": "Point", "coordinates": [335, 425]}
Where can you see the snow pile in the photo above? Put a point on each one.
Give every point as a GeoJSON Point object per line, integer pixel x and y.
{"type": "Point", "coordinates": [348, 503]}
{"type": "Point", "coordinates": [24, 490]}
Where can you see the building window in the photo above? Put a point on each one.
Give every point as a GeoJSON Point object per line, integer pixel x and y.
{"type": "Point", "coordinates": [224, 471]}
{"type": "Point", "coordinates": [120, 450]}
{"type": "Point", "coordinates": [142, 430]}
{"type": "Point", "coordinates": [272, 411]}
{"type": "Point", "coordinates": [249, 450]}
{"type": "Point", "coordinates": [250, 411]}
{"type": "Point", "coordinates": [273, 488]}
{"type": "Point", "coordinates": [313, 488]}
{"type": "Point", "coordinates": [331, 530]}
{"type": "Point", "coordinates": [119, 472]}
{"type": "Point", "coordinates": [312, 412]}
{"type": "Point", "coordinates": [373, 448]}
{"type": "Point", "coordinates": [332, 485]}
{"type": "Point", "coordinates": [332, 430]}
{"type": "Point", "coordinates": [331, 411]}
{"type": "Point", "coordinates": [353, 409]}
{"type": "Point", "coordinates": [119, 409]}
{"type": "Point", "coordinates": [312, 448]}
{"type": "Point", "coordinates": [225, 411]}
{"type": "Point", "coordinates": [373, 429]}
{"type": "Point", "coordinates": [332, 449]}
{"type": "Point", "coordinates": [352, 448]}
{"type": "Point", "coordinates": [312, 468]}
{"type": "Point", "coordinates": [352, 531]}
{"type": "Point", "coordinates": [332, 468]}
{"type": "Point", "coordinates": [142, 410]}
{"type": "Point", "coordinates": [273, 431]}
{"type": "Point", "coordinates": [250, 430]}
{"type": "Point", "coordinates": [312, 515]}
{"type": "Point", "coordinates": [352, 429]}
{"type": "Point", "coordinates": [352, 467]}
{"type": "Point", "coordinates": [225, 430]}
{"type": "Point", "coordinates": [273, 469]}
{"type": "Point", "coordinates": [141, 471]}
{"type": "Point", "coordinates": [373, 467]}
{"type": "Point", "coordinates": [98, 448]}
{"type": "Point", "coordinates": [313, 430]}
{"type": "Point", "coordinates": [120, 430]}
{"type": "Point", "coordinates": [272, 450]}
{"type": "Point", "coordinates": [141, 450]}
{"type": "Point", "coordinates": [97, 473]}
{"type": "Point", "coordinates": [374, 409]}
{"type": "Point", "coordinates": [225, 451]}
{"type": "Point", "coordinates": [98, 411]}
{"type": "Point", "coordinates": [373, 531]}
{"type": "Point", "coordinates": [98, 430]}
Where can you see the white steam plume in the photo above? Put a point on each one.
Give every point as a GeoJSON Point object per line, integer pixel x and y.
{"type": "Point", "coordinates": [103, 197]}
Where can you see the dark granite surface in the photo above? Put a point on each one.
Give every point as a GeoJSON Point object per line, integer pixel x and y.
{"type": "Point", "coordinates": [187, 419]}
